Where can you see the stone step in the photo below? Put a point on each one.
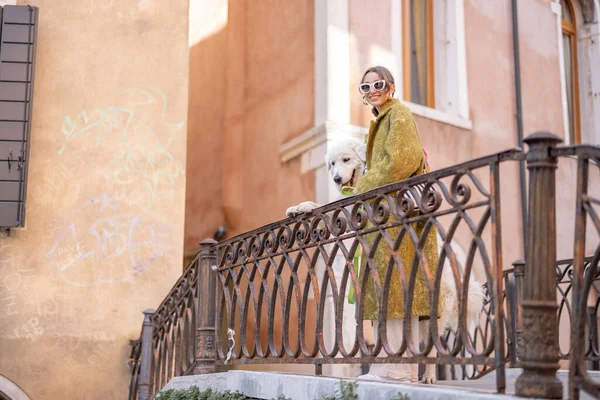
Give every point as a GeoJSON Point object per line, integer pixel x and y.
{"type": "Point", "coordinates": [270, 385]}
{"type": "Point", "coordinates": [488, 382]}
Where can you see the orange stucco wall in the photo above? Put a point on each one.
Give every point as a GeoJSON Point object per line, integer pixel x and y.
{"type": "Point", "coordinates": [250, 91]}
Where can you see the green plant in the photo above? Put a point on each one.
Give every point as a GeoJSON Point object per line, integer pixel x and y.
{"type": "Point", "coordinates": [194, 393]}
{"type": "Point", "coordinates": [346, 391]}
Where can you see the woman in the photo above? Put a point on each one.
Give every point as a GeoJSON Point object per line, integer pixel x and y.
{"type": "Point", "coordinates": [394, 153]}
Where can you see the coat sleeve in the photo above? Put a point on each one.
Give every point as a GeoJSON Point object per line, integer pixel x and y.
{"type": "Point", "coordinates": [402, 154]}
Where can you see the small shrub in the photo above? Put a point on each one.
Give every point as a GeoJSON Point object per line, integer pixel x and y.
{"type": "Point", "coordinates": [194, 393]}
{"type": "Point", "coordinates": [346, 391]}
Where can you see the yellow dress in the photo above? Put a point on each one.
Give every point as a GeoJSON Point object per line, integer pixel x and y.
{"type": "Point", "coordinates": [395, 153]}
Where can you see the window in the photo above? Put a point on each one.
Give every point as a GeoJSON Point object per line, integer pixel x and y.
{"type": "Point", "coordinates": [428, 43]}
{"type": "Point", "coordinates": [569, 45]}
{"type": "Point", "coordinates": [418, 54]}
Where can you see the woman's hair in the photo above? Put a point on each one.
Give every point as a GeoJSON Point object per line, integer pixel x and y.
{"type": "Point", "coordinates": [385, 74]}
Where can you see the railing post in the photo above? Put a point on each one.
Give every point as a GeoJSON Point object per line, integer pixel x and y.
{"type": "Point", "coordinates": [519, 273]}
{"type": "Point", "coordinates": [537, 350]}
{"type": "Point", "coordinates": [205, 317]}
{"type": "Point", "coordinates": [144, 387]}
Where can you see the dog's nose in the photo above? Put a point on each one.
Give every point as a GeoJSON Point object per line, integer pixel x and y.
{"type": "Point", "coordinates": [337, 179]}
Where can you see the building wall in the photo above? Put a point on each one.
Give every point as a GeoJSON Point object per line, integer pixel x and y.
{"type": "Point", "coordinates": [105, 209]}
{"type": "Point", "coordinates": [270, 100]}
{"type": "Point", "coordinates": [206, 129]}
{"type": "Point", "coordinates": [250, 91]}
{"type": "Point", "coordinates": [492, 101]}
{"type": "Point", "coordinates": [490, 88]}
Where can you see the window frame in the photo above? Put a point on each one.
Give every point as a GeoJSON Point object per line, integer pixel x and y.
{"type": "Point", "coordinates": [406, 56]}
{"type": "Point", "coordinates": [570, 29]}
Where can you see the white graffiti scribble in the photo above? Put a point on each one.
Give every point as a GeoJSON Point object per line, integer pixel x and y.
{"type": "Point", "coordinates": [16, 277]}
{"type": "Point", "coordinates": [117, 246]}
{"type": "Point", "coordinates": [5, 255]}
{"type": "Point", "coordinates": [139, 139]}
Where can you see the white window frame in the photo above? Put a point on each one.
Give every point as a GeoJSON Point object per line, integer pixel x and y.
{"type": "Point", "coordinates": [588, 55]}
{"type": "Point", "coordinates": [450, 63]}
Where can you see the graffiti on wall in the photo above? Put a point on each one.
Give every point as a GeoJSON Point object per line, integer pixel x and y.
{"type": "Point", "coordinates": [116, 246]}
{"type": "Point", "coordinates": [135, 136]}
{"type": "Point", "coordinates": [17, 278]}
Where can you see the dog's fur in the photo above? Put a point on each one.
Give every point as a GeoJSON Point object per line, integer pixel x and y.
{"type": "Point", "coordinates": [346, 162]}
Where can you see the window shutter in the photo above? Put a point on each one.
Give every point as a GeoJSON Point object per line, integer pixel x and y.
{"type": "Point", "coordinates": [18, 37]}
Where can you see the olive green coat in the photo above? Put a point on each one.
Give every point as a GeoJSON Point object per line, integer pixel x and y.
{"type": "Point", "coordinates": [395, 153]}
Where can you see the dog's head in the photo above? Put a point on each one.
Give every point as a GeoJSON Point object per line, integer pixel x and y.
{"type": "Point", "coordinates": [346, 161]}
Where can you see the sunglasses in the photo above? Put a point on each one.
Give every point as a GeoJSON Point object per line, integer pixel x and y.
{"type": "Point", "coordinates": [378, 86]}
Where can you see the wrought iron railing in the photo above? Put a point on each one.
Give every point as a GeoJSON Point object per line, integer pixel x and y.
{"type": "Point", "coordinates": [450, 338]}
{"type": "Point", "coordinates": [282, 275]}
{"type": "Point", "coordinates": [134, 367]}
{"type": "Point", "coordinates": [142, 363]}
{"type": "Point", "coordinates": [584, 273]}
{"type": "Point", "coordinates": [281, 290]}
{"type": "Point", "coordinates": [564, 285]}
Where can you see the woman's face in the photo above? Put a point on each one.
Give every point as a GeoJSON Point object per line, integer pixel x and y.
{"type": "Point", "coordinates": [375, 97]}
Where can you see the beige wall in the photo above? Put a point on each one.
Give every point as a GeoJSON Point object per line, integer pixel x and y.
{"type": "Point", "coordinates": [105, 208]}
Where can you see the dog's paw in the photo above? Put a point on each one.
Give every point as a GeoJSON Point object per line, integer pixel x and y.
{"type": "Point", "coordinates": [292, 211]}
{"type": "Point", "coordinates": [429, 375]}
{"type": "Point", "coordinates": [301, 208]}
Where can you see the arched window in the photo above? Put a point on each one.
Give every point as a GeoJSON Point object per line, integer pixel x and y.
{"type": "Point", "coordinates": [569, 38]}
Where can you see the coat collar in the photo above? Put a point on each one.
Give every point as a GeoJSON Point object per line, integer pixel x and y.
{"type": "Point", "coordinates": [374, 123]}
{"type": "Point", "coordinates": [385, 108]}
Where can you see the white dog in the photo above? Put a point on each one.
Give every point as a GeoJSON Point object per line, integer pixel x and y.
{"type": "Point", "coordinates": [346, 162]}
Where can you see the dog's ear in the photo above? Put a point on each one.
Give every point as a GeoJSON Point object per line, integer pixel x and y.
{"type": "Point", "coordinates": [327, 161]}
{"type": "Point", "coordinates": [360, 150]}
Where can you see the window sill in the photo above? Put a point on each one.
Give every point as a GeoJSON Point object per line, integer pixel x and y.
{"type": "Point", "coordinates": [312, 138]}
{"type": "Point", "coordinates": [440, 116]}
